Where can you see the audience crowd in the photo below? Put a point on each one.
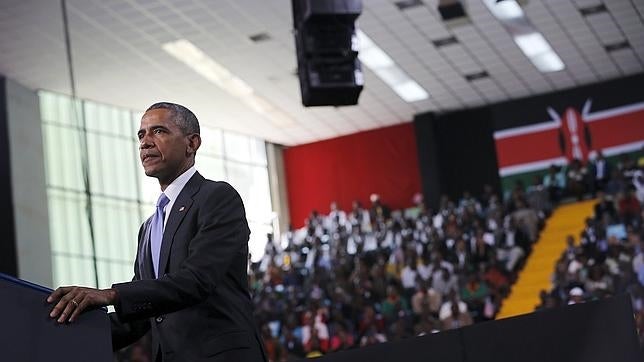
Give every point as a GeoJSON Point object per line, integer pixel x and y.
{"type": "Point", "coordinates": [350, 279]}
{"type": "Point", "coordinates": [608, 257]}
{"type": "Point", "coordinates": [370, 275]}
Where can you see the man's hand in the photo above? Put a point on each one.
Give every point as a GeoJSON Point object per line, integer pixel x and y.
{"type": "Point", "coordinates": [72, 301]}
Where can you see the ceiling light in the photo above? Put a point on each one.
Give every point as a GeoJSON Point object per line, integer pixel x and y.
{"type": "Point", "coordinates": [531, 42]}
{"type": "Point", "coordinates": [200, 62]}
{"type": "Point", "coordinates": [548, 62]}
{"type": "Point", "coordinates": [537, 49]}
{"type": "Point", "coordinates": [506, 10]}
{"type": "Point", "coordinates": [375, 58]}
{"type": "Point", "coordinates": [410, 91]}
{"type": "Point", "coordinates": [391, 75]}
{"type": "Point", "coordinates": [388, 71]}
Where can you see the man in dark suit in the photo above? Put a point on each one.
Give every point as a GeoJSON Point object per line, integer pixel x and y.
{"type": "Point", "coordinates": [600, 171]}
{"type": "Point", "coordinates": [190, 286]}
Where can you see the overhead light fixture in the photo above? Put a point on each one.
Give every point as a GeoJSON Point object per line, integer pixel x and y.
{"type": "Point", "coordinates": [506, 10]}
{"type": "Point", "coordinates": [189, 54]}
{"type": "Point", "coordinates": [537, 48]}
{"type": "Point", "coordinates": [411, 91]}
{"type": "Point", "coordinates": [374, 58]}
{"type": "Point", "coordinates": [531, 42]}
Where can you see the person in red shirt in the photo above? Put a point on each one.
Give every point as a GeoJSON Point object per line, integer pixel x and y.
{"type": "Point", "coordinates": [629, 206]}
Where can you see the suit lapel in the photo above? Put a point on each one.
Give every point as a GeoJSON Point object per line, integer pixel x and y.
{"type": "Point", "coordinates": [179, 210]}
{"type": "Point", "coordinates": [145, 258]}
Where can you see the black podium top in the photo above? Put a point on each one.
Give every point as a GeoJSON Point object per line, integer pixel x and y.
{"type": "Point", "coordinates": [29, 334]}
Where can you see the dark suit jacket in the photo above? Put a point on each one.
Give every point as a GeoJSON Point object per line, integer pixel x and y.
{"type": "Point", "coordinates": [199, 309]}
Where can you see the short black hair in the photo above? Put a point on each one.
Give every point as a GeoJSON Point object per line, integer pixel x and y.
{"type": "Point", "coordinates": [182, 116]}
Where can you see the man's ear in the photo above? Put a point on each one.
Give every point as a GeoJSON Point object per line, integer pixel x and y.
{"type": "Point", "coordinates": [194, 142]}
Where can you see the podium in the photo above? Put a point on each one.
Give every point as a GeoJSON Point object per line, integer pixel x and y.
{"type": "Point", "coordinates": [27, 333]}
{"type": "Point", "coordinates": [599, 331]}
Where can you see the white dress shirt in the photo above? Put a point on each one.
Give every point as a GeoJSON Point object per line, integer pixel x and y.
{"type": "Point", "coordinates": [174, 189]}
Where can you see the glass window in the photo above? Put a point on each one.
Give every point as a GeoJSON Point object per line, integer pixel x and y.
{"type": "Point", "coordinates": [136, 123]}
{"type": "Point", "coordinates": [252, 184]}
{"type": "Point", "coordinates": [69, 222]}
{"type": "Point", "coordinates": [258, 152]}
{"type": "Point", "coordinates": [258, 238]}
{"type": "Point", "coordinates": [211, 142]}
{"type": "Point", "coordinates": [211, 168]}
{"type": "Point", "coordinates": [63, 169]}
{"type": "Point", "coordinates": [115, 233]}
{"type": "Point", "coordinates": [260, 196]}
{"type": "Point", "coordinates": [149, 191]}
{"type": "Point", "coordinates": [61, 111]}
{"type": "Point", "coordinates": [47, 107]}
{"type": "Point", "coordinates": [237, 147]}
{"type": "Point", "coordinates": [240, 177]}
{"type": "Point", "coordinates": [107, 152]}
{"type": "Point", "coordinates": [73, 270]}
{"type": "Point", "coordinates": [113, 271]}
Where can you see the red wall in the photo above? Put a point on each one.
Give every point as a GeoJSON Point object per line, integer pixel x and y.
{"type": "Point", "coordinates": [382, 161]}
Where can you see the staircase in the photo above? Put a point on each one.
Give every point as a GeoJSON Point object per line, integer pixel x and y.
{"type": "Point", "coordinates": [567, 219]}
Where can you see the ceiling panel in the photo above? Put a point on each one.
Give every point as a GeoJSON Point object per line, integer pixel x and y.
{"type": "Point", "coordinates": [118, 59]}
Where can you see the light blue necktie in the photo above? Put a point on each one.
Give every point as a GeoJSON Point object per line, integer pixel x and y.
{"type": "Point", "coordinates": [156, 232]}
